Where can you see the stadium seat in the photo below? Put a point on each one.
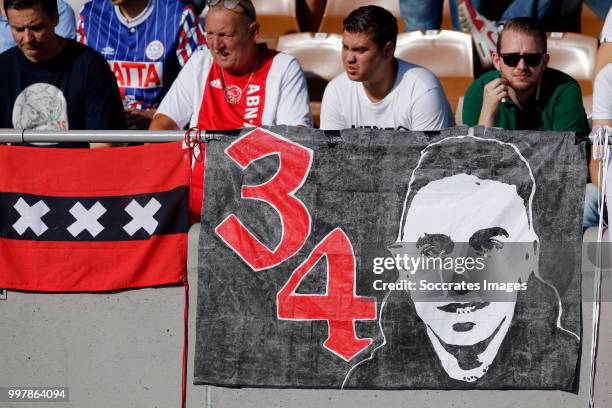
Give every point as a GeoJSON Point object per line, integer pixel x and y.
{"type": "Point", "coordinates": [319, 56]}
{"type": "Point", "coordinates": [574, 54]}
{"type": "Point", "coordinates": [337, 10]}
{"type": "Point", "coordinates": [448, 54]}
{"type": "Point", "coordinates": [276, 18]}
{"type": "Point", "coordinates": [590, 24]}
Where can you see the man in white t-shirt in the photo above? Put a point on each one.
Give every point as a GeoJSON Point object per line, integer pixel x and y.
{"type": "Point", "coordinates": [602, 97]}
{"type": "Point", "coordinates": [604, 52]}
{"type": "Point", "coordinates": [237, 84]}
{"type": "Point", "coordinates": [377, 90]}
{"type": "Point", "coordinates": [602, 116]}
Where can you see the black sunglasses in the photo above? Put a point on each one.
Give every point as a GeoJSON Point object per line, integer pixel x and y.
{"type": "Point", "coordinates": [512, 59]}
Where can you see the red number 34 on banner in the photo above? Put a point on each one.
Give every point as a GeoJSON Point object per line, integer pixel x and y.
{"type": "Point", "coordinates": [339, 306]}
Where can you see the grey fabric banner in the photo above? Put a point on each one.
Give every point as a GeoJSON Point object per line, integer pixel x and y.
{"type": "Point", "coordinates": [374, 259]}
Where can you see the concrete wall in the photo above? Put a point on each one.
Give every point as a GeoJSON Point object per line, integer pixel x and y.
{"type": "Point", "coordinates": [124, 350]}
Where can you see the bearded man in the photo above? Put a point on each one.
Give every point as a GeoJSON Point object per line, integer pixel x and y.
{"type": "Point", "coordinates": [522, 93]}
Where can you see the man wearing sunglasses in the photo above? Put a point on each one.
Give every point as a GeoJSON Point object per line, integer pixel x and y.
{"type": "Point", "coordinates": [523, 93]}
{"type": "Point", "coordinates": [238, 84]}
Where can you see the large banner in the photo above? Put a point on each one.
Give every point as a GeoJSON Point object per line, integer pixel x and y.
{"type": "Point", "coordinates": [395, 260]}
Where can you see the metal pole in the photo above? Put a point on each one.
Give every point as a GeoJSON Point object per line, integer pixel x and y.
{"type": "Point", "coordinates": [101, 136]}
{"type": "Point", "coordinates": [11, 136]}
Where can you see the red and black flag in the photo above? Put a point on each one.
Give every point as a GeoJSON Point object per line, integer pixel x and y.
{"type": "Point", "coordinates": [93, 220]}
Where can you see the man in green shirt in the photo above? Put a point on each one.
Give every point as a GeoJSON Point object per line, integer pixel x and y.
{"type": "Point", "coordinates": [523, 93]}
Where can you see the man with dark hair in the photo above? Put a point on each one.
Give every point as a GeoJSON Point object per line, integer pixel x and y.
{"type": "Point", "coordinates": [235, 83]}
{"type": "Point", "coordinates": [377, 90]}
{"type": "Point", "coordinates": [65, 28]}
{"type": "Point", "coordinates": [49, 82]}
{"type": "Point", "coordinates": [523, 93]}
{"type": "Point", "coordinates": [146, 43]}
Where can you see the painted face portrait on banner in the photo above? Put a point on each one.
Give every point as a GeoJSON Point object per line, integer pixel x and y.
{"type": "Point", "coordinates": [474, 294]}
{"type": "Point", "coordinates": [466, 209]}
{"type": "Point", "coordinates": [465, 217]}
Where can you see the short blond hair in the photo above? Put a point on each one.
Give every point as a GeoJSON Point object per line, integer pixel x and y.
{"type": "Point", "coordinates": [523, 25]}
{"type": "Point", "coordinates": [248, 9]}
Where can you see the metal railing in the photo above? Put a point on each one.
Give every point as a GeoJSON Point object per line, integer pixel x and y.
{"type": "Point", "coordinates": [90, 136]}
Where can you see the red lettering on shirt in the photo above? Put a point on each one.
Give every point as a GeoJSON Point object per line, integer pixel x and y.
{"type": "Point", "coordinates": [152, 79]}
{"type": "Point", "coordinates": [140, 75]}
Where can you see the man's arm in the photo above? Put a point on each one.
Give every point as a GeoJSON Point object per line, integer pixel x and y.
{"type": "Point", "coordinates": [178, 104]}
{"type": "Point", "coordinates": [431, 111]}
{"type": "Point", "coordinates": [493, 94]}
{"type": "Point", "coordinates": [139, 119]}
{"type": "Point", "coordinates": [604, 53]}
{"type": "Point", "coordinates": [481, 103]}
{"type": "Point", "coordinates": [569, 115]}
{"type": "Point", "coordinates": [332, 117]}
{"type": "Point", "coordinates": [603, 58]}
{"type": "Point", "coordinates": [67, 25]}
{"type": "Point", "coordinates": [602, 112]}
{"type": "Point", "coordinates": [163, 122]}
{"type": "Point", "coordinates": [294, 102]}
{"type": "Point", "coordinates": [104, 109]}
{"type": "Point", "coordinates": [190, 38]}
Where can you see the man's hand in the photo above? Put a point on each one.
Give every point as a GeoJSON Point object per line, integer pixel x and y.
{"type": "Point", "coordinates": [494, 92]}
{"type": "Point", "coordinates": [163, 122]}
{"type": "Point", "coordinates": [139, 119]}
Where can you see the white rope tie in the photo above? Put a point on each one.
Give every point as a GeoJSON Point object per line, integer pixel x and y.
{"type": "Point", "coordinates": [601, 151]}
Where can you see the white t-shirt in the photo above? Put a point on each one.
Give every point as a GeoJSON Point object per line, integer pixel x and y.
{"type": "Point", "coordinates": [606, 31]}
{"type": "Point", "coordinates": [286, 93]}
{"type": "Point", "coordinates": [602, 93]}
{"type": "Point", "coordinates": [416, 102]}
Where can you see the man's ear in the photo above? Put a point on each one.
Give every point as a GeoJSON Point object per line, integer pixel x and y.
{"type": "Point", "coordinates": [496, 61]}
{"type": "Point", "coordinates": [389, 50]}
{"type": "Point", "coordinates": [545, 59]}
{"type": "Point", "coordinates": [55, 18]}
{"type": "Point", "coordinates": [254, 30]}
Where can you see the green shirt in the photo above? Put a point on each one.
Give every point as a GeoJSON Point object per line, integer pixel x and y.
{"type": "Point", "coordinates": [557, 105]}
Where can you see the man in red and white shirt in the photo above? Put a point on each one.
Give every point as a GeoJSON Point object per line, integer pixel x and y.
{"type": "Point", "coordinates": [237, 84]}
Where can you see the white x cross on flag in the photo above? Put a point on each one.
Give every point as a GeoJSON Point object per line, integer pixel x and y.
{"type": "Point", "coordinates": [142, 217]}
{"type": "Point", "coordinates": [86, 219]}
{"type": "Point", "coordinates": [30, 217]}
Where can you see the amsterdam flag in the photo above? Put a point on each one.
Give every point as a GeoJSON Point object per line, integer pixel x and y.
{"type": "Point", "coordinates": [93, 220]}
